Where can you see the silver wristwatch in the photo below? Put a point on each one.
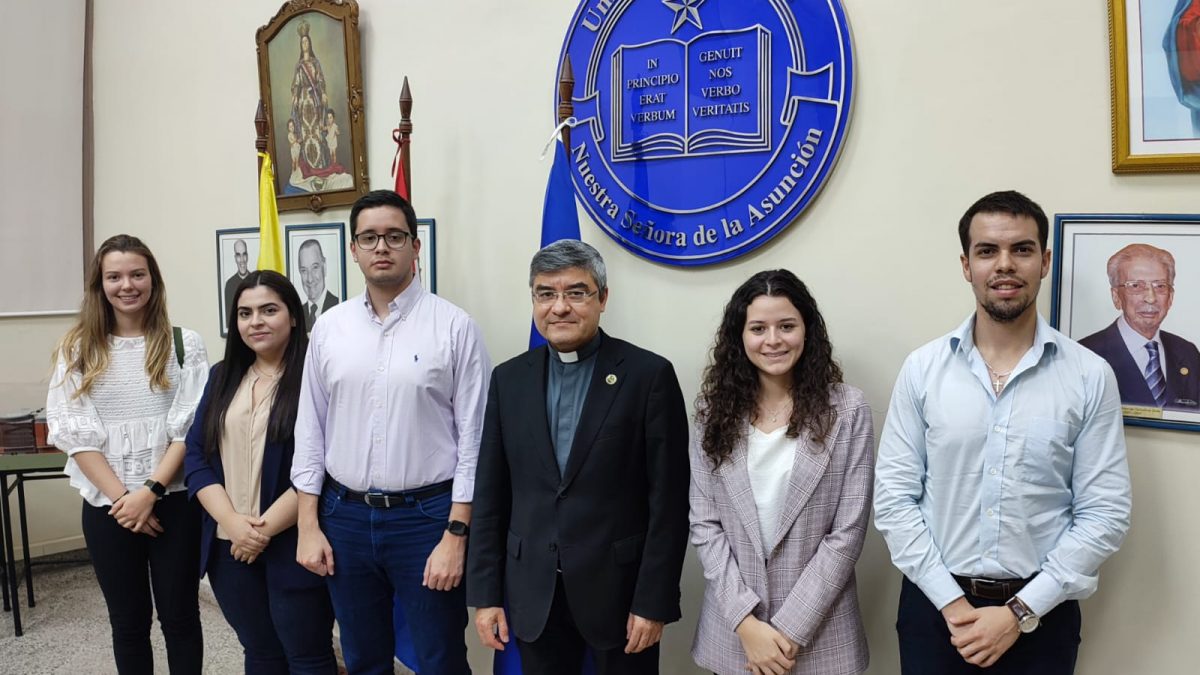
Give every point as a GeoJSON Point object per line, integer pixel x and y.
{"type": "Point", "coordinates": [1027, 621]}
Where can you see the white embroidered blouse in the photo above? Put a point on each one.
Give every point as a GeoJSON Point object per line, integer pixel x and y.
{"type": "Point", "coordinates": [122, 417]}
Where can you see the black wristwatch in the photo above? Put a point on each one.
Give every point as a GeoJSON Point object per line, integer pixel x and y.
{"type": "Point", "coordinates": [458, 528]}
{"type": "Point", "coordinates": [156, 487]}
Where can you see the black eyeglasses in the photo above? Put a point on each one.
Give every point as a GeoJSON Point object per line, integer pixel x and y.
{"type": "Point", "coordinates": [395, 239]}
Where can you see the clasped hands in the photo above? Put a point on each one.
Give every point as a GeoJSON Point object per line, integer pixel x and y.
{"type": "Point", "coordinates": [135, 511]}
{"type": "Point", "coordinates": [768, 651]}
{"type": "Point", "coordinates": [246, 537]}
{"type": "Point", "coordinates": [980, 634]}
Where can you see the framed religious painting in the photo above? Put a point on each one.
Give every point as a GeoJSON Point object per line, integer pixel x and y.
{"type": "Point", "coordinates": [1155, 67]}
{"type": "Point", "coordinates": [316, 266]}
{"type": "Point", "coordinates": [310, 78]}
{"type": "Point", "coordinates": [237, 256]}
{"type": "Point", "coordinates": [1123, 286]}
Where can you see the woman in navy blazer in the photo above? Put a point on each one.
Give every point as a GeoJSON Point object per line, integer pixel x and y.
{"type": "Point", "coordinates": [280, 611]}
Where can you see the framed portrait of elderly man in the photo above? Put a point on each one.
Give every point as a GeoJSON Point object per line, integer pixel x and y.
{"type": "Point", "coordinates": [1155, 67]}
{"type": "Point", "coordinates": [310, 77]}
{"type": "Point", "coordinates": [316, 266]}
{"type": "Point", "coordinates": [1124, 286]}
{"type": "Point", "coordinates": [237, 256]}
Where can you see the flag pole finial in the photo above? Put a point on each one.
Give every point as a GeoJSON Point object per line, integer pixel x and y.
{"type": "Point", "coordinates": [566, 88]}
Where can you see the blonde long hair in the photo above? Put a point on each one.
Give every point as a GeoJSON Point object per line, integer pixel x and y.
{"type": "Point", "coordinates": [85, 347]}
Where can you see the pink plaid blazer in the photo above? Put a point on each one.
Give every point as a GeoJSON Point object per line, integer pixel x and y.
{"type": "Point", "coordinates": [801, 580]}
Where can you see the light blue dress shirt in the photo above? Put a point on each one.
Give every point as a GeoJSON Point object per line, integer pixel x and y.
{"type": "Point", "coordinates": [1034, 480]}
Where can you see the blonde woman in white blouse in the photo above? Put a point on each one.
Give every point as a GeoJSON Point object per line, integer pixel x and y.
{"type": "Point", "coordinates": [122, 397]}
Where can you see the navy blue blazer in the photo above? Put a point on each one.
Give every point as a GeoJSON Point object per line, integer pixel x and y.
{"type": "Point", "coordinates": [200, 471]}
{"type": "Point", "coordinates": [1182, 368]}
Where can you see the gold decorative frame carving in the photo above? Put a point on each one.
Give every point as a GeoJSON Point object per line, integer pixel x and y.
{"type": "Point", "coordinates": [1123, 158]}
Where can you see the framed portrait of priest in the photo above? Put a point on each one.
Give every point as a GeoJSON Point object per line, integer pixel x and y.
{"type": "Point", "coordinates": [237, 256]}
{"type": "Point", "coordinates": [316, 266]}
{"type": "Point", "coordinates": [310, 80]}
{"type": "Point", "coordinates": [1122, 285]}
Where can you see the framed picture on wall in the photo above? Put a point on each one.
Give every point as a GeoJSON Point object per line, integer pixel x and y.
{"type": "Point", "coordinates": [1123, 286]}
{"type": "Point", "coordinates": [1155, 69]}
{"type": "Point", "coordinates": [427, 258]}
{"type": "Point", "coordinates": [310, 81]}
{"type": "Point", "coordinates": [237, 256]}
{"type": "Point", "coordinates": [316, 265]}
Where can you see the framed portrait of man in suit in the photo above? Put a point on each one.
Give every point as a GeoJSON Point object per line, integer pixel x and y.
{"type": "Point", "coordinates": [316, 265]}
{"type": "Point", "coordinates": [1122, 286]}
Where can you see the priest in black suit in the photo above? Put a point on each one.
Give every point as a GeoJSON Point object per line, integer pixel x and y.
{"type": "Point", "coordinates": [1154, 368]}
{"type": "Point", "coordinates": [580, 518]}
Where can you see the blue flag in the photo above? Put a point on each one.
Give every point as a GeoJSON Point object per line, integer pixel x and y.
{"type": "Point", "coordinates": [560, 219]}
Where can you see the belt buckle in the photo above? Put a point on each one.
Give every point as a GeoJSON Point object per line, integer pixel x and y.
{"type": "Point", "coordinates": [373, 500]}
{"type": "Point", "coordinates": [980, 587]}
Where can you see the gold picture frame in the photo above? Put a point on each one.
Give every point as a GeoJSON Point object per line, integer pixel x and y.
{"type": "Point", "coordinates": [310, 80]}
{"type": "Point", "coordinates": [1150, 117]}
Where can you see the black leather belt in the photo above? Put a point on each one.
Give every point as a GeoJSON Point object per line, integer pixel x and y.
{"type": "Point", "coordinates": [386, 500]}
{"type": "Point", "coordinates": [992, 589]}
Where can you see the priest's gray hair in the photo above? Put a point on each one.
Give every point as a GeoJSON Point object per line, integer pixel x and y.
{"type": "Point", "coordinates": [567, 253]}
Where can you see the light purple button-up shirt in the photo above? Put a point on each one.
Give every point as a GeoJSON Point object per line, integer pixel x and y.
{"type": "Point", "coordinates": [392, 404]}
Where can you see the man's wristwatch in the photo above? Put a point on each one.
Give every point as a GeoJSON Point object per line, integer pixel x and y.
{"type": "Point", "coordinates": [1027, 621]}
{"type": "Point", "coordinates": [458, 528]}
{"type": "Point", "coordinates": [156, 487]}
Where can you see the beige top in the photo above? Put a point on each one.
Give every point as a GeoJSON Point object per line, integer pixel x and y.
{"type": "Point", "coordinates": [243, 439]}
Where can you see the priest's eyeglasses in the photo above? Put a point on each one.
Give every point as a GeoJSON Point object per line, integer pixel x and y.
{"type": "Point", "coordinates": [1140, 287]}
{"type": "Point", "coordinates": [368, 241]}
{"type": "Point", "coordinates": [573, 296]}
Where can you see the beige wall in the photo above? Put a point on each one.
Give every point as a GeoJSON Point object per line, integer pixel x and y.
{"type": "Point", "coordinates": [954, 99]}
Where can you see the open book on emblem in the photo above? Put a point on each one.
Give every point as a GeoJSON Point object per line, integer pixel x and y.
{"type": "Point", "coordinates": [710, 95]}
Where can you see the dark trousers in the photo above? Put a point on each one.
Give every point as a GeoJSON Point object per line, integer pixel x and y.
{"type": "Point", "coordinates": [925, 647]}
{"type": "Point", "coordinates": [559, 650]}
{"type": "Point", "coordinates": [379, 559]}
{"type": "Point", "coordinates": [283, 629]}
{"type": "Point", "coordinates": [138, 574]}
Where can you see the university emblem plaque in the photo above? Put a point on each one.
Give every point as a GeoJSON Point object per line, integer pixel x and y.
{"type": "Point", "coordinates": [705, 127]}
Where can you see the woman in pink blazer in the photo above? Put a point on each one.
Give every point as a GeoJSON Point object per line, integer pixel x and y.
{"type": "Point", "coordinates": [782, 469]}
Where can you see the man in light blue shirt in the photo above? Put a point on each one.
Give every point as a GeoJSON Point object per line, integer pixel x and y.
{"type": "Point", "coordinates": [1002, 483]}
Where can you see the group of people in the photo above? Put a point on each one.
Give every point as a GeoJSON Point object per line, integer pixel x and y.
{"type": "Point", "coordinates": [344, 473]}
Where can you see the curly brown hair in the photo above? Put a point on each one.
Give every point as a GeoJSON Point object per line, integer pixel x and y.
{"type": "Point", "coordinates": [729, 393]}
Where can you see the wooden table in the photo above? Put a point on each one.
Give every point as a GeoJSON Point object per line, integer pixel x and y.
{"type": "Point", "coordinates": [44, 464]}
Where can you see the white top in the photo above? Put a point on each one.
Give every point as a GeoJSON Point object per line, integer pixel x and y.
{"type": "Point", "coordinates": [122, 417]}
{"type": "Point", "coordinates": [769, 458]}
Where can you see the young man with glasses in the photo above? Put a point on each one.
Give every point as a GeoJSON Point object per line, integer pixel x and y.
{"type": "Point", "coordinates": [1001, 484]}
{"type": "Point", "coordinates": [1154, 368]}
{"type": "Point", "coordinates": [581, 499]}
{"type": "Point", "coordinates": [387, 435]}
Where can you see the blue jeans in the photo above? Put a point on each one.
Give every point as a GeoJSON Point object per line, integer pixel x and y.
{"type": "Point", "coordinates": [283, 628]}
{"type": "Point", "coordinates": [379, 554]}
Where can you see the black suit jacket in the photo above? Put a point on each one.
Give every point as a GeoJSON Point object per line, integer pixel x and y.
{"type": "Point", "coordinates": [1181, 366]}
{"type": "Point", "coordinates": [616, 521]}
{"type": "Point", "coordinates": [327, 303]}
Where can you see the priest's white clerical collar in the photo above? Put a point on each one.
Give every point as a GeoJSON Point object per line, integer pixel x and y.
{"type": "Point", "coordinates": [579, 354]}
